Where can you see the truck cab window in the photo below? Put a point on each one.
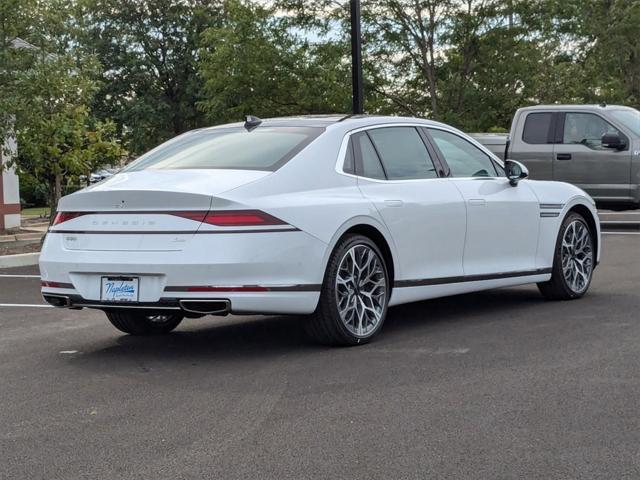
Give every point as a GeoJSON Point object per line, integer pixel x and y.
{"type": "Point", "coordinates": [586, 129]}
{"type": "Point", "coordinates": [536, 128]}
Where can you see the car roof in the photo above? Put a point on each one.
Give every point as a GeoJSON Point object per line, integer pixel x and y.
{"type": "Point", "coordinates": [324, 121]}
{"type": "Point", "coordinates": [577, 107]}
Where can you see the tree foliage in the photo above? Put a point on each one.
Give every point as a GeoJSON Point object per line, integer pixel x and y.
{"type": "Point", "coordinates": [252, 63]}
{"type": "Point", "coordinates": [44, 98]}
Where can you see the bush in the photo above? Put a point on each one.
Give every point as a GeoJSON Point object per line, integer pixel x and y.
{"type": "Point", "coordinates": [32, 192]}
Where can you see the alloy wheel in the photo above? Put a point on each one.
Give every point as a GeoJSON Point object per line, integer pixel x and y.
{"type": "Point", "coordinates": [361, 290]}
{"type": "Point", "coordinates": [577, 256]}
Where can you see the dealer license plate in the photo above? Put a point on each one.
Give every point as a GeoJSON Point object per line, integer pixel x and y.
{"type": "Point", "coordinates": [119, 289]}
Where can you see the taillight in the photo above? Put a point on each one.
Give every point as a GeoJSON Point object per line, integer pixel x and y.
{"type": "Point", "coordinates": [195, 216]}
{"type": "Point", "coordinates": [232, 218]}
{"type": "Point", "coordinates": [66, 216]}
{"type": "Point", "coordinates": [241, 218]}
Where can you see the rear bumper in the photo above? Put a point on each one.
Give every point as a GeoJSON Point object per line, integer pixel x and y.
{"type": "Point", "coordinates": [265, 273]}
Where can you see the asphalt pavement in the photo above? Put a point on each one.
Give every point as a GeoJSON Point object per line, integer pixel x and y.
{"type": "Point", "coordinates": [493, 385]}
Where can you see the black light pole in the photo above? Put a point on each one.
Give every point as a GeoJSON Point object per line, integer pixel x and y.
{"type": "Point", "coordinates": [356, 58]}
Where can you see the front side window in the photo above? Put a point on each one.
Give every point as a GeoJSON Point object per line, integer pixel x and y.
{"type": "Point", "coordinates": [586, 129]}
{"type": "Point", "coordinates": [536, 128]}
{"type": "Point", "coordinates": [464, 159]}
{"type": "Point", "coordinates": [629, 117]}
{"type": "Point", "coordinates": [403, 153]}
{"type": "Point", "coordinates": [265, 148]}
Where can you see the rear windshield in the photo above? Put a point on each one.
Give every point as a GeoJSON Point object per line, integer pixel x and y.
{"type": "Point", "coordinates": [264, 148]}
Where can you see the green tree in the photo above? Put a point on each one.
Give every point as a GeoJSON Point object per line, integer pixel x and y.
{"type": "Point", "coordinates": [45, 91]}
{"type": "Point", "coordinates": [254, 64]}
{"type": "Point", "coordinates": [149, 54]}
{"type": "Point", "coordinates": [57, 136]}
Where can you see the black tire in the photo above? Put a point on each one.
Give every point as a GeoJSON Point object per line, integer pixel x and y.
{"type": "Point", "coordinates": [326, 326]}
{"type": "Point", "coordinates": [139, 323]}
{"type": "Point", "coordinates": [558, 288]}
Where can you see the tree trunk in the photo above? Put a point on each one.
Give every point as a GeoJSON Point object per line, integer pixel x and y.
{"type": "Point", "coordinates": [57, 190]}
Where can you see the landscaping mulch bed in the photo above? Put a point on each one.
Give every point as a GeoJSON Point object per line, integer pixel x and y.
{"type": "Point", "coordinates": [16, 249]}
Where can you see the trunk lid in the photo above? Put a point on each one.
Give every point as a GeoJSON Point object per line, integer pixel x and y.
{"type": "Point", "coordinates": [135, 211]}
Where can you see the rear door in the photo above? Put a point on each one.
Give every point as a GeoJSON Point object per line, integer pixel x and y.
{"type": "Point", "coordinates": [534, 147]}
{"type": "Point", "coordinates": [580, 158]}
{"type": "Point", "coordinates": [424, 212]}
{"type": "Point", "coordinates": [502, 220]}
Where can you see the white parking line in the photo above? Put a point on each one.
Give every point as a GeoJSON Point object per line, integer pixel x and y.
{"type": "Point", "coordinates": [621, 233]}
{"type": "Point", "coordinates": [25, 305]}
{"type": "Point", "coordinates": [18, 276]}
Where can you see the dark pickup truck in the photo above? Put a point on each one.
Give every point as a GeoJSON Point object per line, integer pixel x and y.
{"type": "Point", "coordinates": [595, 147]}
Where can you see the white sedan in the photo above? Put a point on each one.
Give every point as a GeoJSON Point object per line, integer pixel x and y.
{"type": "Point", "coordinates": [333, 217]}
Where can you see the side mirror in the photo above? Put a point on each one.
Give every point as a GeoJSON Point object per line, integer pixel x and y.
{"type": "Point", "coordinates": [613, 140]}
{"type": "Point", "coordinates": [515, 172]}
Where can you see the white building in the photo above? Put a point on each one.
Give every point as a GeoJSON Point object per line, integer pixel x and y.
{"type": "Point", "coordinates": [9, 183]}
{"type": "Point", "coordinates": [9, 189]}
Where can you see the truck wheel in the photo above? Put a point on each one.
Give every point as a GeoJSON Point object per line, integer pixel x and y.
{"type": "Point", "coordinates": [355, 294]}
{"type": "Point", "coordinates": [137, 323]}
{"type": "Point", "coordinates": [573, 261]}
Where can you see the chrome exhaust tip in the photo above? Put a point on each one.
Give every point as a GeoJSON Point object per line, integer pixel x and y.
{"type": "Point", "coordinates": [58, 301]}
{"type": "Point", "coordinates": [206, 307]}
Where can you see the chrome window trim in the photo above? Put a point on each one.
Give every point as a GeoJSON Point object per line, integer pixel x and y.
{"type": "Point", "coordinates": [479, 146]}
{"type": "Point", "coordinates": [347, 137]}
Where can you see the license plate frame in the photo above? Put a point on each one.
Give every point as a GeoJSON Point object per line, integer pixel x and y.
{"type": "Point", "coordinates": [119, 289]}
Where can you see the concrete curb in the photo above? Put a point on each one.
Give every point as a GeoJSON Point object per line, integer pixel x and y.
{"type": "Point", "coordinates": [19, 260]}
{"type": "Point", "coordinates": [21, 236]}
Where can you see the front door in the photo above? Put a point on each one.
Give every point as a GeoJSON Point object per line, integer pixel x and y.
{"type": "Point", "coordinates": [580, 159]}
{"type": "Point", "coordinates": [502, 220]}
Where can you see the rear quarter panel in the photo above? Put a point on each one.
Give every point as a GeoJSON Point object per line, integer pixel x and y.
{"type": "Point", "coordinates": [311, 195]}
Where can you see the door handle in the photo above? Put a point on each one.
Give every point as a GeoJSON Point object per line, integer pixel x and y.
{"type": "Point", "coordinates": [393, 203]}
{"type": "Point", "coordinates": [563, 156]}
{"type": "Point", "coordinates": [477, 202]}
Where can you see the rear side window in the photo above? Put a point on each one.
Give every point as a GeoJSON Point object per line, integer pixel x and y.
{"type": "Point", "coordinates": [403, 153]}
{"type": "Point", "coordinates": [265, 148]}
{"type": "Point", "coordinates": [349, 165]}
{"type": "Point", "coordinates": [536, 128]}
{"type": "Point", "coordinates": [365, 150]}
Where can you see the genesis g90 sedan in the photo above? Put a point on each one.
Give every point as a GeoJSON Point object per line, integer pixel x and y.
{"type": "Point", "coordinates": [335, 218]}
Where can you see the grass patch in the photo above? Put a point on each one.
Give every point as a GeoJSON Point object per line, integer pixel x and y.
{"type": "Point", "coordinates": [36, 212]}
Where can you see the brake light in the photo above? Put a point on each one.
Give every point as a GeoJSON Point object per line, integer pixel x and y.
{"type": "Point", "coordinates": [66, 216]}
{"type": "Point", "coordinates": [195, 216]}
{"type": "Point", "coordinates": [231, 218]}
{"type": "Point", "coordinates": [241, 218]}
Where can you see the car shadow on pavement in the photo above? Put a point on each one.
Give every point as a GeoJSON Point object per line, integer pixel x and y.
{"type": "Point", "coordinates": [236, 338]}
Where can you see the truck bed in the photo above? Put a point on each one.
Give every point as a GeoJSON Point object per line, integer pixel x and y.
{"type": "Point", "coordinates": [496, 142]}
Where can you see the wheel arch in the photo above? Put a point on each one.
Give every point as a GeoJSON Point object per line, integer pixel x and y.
{"type": "Point", "coordinates": [592, 221]}
{"type": "Point", "coordinates": [374, 231]}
